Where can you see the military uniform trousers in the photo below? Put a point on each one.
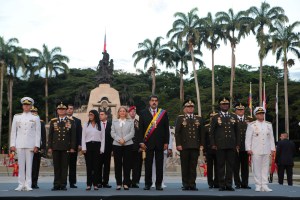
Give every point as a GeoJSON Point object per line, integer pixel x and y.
{"type": "Point", "coordinates": [92, 160]}
{"type": "Point", "coordinates": [136, 167]}
{"type": "Point", "coordinates": [189, 161]}
{"type": "Point", "coordinates": [225, 159]}
{"type": "Point", "coordinates": [241, 165]}
{"type": "Point", "coordinates": [35, 168]}
{"type": "Point", "coordinates": [212, 172]}
{"type": "Point", "coordinates": [260, 166]}
{"type": "Point", "coordinates": [60, 163]}
{"type": "Point", "coordinates": [289, 174]}
{"type": "Point", "coordinates": [25, 156]}
{"type": "Point", "coordinates": [72, 167]}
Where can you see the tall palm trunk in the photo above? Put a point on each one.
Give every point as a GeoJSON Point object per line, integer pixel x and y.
{"type": "Point", "coordinates": [260, 80]}
{"type": "Point", "coordinates": [181, 83]}
{"type": "Point", "coordinates": [9, 98]}
{"type": "Point", "coordinates": [232, 73]}
{"type": "Point", "coordinates": [286, 98]}
{"type": "Point", "coordinates": [196, 80]}
{"type": "Point", "coordinates": [46, 99]}
{"type": "Point", "coordinates": [1, 95]}
{"type": "Point", "coordinates": [153, 78]}
{"type": "Point", "coordinates": [213, 80]}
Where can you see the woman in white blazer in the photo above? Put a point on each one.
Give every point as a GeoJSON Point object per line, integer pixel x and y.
{"type": "Point", "coordinates": [122, 131]}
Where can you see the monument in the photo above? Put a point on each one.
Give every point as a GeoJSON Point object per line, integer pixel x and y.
{"type": "Point", "coordinates": [104, 97]}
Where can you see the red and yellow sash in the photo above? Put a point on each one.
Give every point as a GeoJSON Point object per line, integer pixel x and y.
{"type": "Point", "coordinates": [153, 124]}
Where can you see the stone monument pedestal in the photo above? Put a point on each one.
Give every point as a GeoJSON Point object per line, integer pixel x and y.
{"type": "Point", "coordinates": [103, 97]}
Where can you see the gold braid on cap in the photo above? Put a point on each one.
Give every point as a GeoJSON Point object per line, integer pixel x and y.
{"type": "Point", "coordinates": [61, 106]}
{"type": "Point", "coordinates": [240, 107]}
{"type": "Point", "coordinates": [224, 101]}
{"type": "Point", "coordinates": [26, 101]}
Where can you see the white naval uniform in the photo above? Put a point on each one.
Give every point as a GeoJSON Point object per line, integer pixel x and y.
{"type": "Point", "coordinates": [25, 135]}
{"type": "Point", "coordinates": [260, 140]}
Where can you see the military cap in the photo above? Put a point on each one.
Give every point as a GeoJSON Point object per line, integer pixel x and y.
{"type": "Point", "coordinates": [61, 105]}
{"type": "Point", "coordinates": [239, 106]}
{"type": "Point", "coordinates": [33, 109]}
{"type": "Point", "coordinates": [188, 103]}
{"type": "Point", "coordinates": [259, 110]}
{"type": "Point", "coordinates": [213, 114]}
{"type": "Point", "coordinates": [27, 101]}
{"type": "Point", "coordinates": [224, 100]}
{"type": "Point", "coordinates": [131, 108]}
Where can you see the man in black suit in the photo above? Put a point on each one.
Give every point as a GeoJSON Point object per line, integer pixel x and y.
{"type": "Point", "coordinates": [154, 139]}
{"type": "Point", "coordinates": [37, 156]}
{"type": "Point", "coordinates": [106, 156]}
{"type": "Point", "coordinates": [225, 140]}
{"type": "Point", "coordinates": [73, 156]}
{"type": "Point", "coordinates": [284, 158]}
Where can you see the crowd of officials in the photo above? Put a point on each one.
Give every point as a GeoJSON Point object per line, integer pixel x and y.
{"type": "Point", "coordinates": [229, 142]}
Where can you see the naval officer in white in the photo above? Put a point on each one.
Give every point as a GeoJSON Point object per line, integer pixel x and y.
{"type": "Point", "coordinates": [260, 144]}
{"type": "Point", "coordinates": [25, 139]}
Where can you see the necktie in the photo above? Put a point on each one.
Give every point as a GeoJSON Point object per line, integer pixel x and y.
{"type": "Point", "coordinates": [241, 119]}
{"type": "Point", "coordinates": [104, 125]}
{"type": "Point", "coordinates": [154, 112]}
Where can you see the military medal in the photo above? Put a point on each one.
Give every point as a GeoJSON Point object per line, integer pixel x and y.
{"type": "Point", "coordinates": [232, 120]}
{"type": "Point", "coordinates": [197, 123]}
{"type": "Point", "coordinates": [184, 123]}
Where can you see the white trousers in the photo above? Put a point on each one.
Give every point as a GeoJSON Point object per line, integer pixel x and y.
{"type": "Point", "coordinates": [25, 156]}
{"type": "Point", "coordinates": [154, 167]}
{"type": "Point", "coordinates": [260, 169]}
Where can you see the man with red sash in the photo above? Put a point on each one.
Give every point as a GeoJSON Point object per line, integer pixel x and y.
{"type": "Point", "coordinates": [154, 139]}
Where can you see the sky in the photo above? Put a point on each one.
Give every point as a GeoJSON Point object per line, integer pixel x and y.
{"type": "Point", "coordinates": [78, 27]}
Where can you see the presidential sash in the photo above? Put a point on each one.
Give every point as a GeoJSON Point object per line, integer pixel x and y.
{"type": "Point", "coordinates": [153, 124]}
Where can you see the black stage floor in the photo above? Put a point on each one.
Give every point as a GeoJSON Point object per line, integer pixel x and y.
{"type": "Point", "coordinates": [172, 192]}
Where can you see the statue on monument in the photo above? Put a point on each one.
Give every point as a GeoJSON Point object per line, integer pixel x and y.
{"type": "Point", "coordinates": [105, 69]}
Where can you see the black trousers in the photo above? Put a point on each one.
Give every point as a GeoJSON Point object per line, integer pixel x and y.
{"type": "Point", "coordinates": [136, 166]}
{"type": "Point", "coordinates": [225, 158]}
{"type": "Point", "coordinates": [212, 173]}
{"type": "Point", "coordinates": [189, 161]}
{"type": "Point", "coordinates": [60, 163]}
{"type": "Point", "coordinates": [35, 168]}
{"type": "Point", "coordinates": [92, 161]}
{"type": "Point", "coordinates": [105, 166]}
{"type": "Point", "coordinates": [72, 167]}
{"type": "Point", "coordinates": [122, 158]}
{"type": "Point", "coordinates": [159, 163]}
{"type": "Point", "coordinates": [289, 174]}
{"type": "Point", "coordinates": [241, 164]}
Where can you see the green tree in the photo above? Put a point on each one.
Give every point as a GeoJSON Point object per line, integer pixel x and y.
{"type": "Point", "coordinates": [232, 23]}
{"type": "Point", "coordinates": [187, 26]}
{"type": "Point", "coordinates": [263, 17]}
{"type": "Point", "coordinates": [285, 40]}
{"type": "Point", "coordinates": [53, 63]}
{"type": "Point", "coordinates": [150, 51]}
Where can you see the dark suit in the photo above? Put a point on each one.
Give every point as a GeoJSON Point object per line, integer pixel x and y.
{"type": "Point", "coordinates": [284, 158]}
{"type": "Point", "coordinates": [73, 156]}
{"type": "Point", "coordinates": [155, 144]}
{"type": "Point", "coordinates": [242, 157]}
{"type": "Point", "coordinates": [106, 156]}
{"type": "Point", "coordinates": [211, 160]}
{"type": "Point", "coordinates": [62, 138]}
{"type": "Point", "coordinates": [189, 133]}
{"type": "Point", "coordinates": [37, 156]}
{"type": "Point", "coordinates": [224, 136]}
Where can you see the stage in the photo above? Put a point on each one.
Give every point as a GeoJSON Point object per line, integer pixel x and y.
{"type": "Point", "coordinates": [172, 191]}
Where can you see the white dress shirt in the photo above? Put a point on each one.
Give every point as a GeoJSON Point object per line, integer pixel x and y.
{"type": "Point", "coordinates": [90, 133]}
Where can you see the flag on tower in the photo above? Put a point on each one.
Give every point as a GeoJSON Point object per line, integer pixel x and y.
{"type": "Point", "coordinates": [104, 49]}
{"type": "Point", "coordinates": [250, 101]}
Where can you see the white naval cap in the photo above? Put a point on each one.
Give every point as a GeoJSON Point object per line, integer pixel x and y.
{"type": "Point", "coordinates": [27, 101]}
{"type": "Point", "coordinates": [259, 110]}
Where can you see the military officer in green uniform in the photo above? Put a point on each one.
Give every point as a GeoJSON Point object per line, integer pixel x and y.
{"type": "Point", "coordinates": [61, 141]}
{"type": "Point", "coordinates": [241, 156]}
{"type": "Point", "coordinates": [189, 135]}
{"type": "Point", "coordinates": [224, 140]}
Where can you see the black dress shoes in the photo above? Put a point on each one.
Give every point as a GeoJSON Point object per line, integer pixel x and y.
{"type": "Point", "coordinates": [134, 186]}
{"type": "Point", "coordinates": [185, 188]}
{"type": "Point", "coordinates": [210, 186]}
{"type": "Point", "coordinates": [147, 187]}
{"type": "Point", "coordinates": [246, 187]}
{"type": "Point", "coordinates": [194, 188]}
{"type": "Point", "coordinates": [100, 185]}
{"type": "Point", "coordinates": [237, 187]}
{"type": "Point", "coordinates": [55, 188]}
{"type": "Point", "coordinates": [35, 187]}
{"type": "Point", "coordinates": [105, 186]}
{"type": "Point", "coordinates": [159, 188]}
{"type": "Point", "coordinates": [64, 188]}
{"type": "Point", "coordinates": [73, 186]}
{"type": "Point", "coordinates": [222, 189]}
{"type": "Point", "coordinates": [229, 189]}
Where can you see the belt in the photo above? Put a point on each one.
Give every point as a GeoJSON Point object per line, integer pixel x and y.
{"type": "Point", "coordinates": [93, 142]}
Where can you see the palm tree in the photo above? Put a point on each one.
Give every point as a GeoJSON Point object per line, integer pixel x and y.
{"type": "Point", "coordinates": [285, 40]}
{"type": "Point", "coordinates": [10, 55]}
{"type": "Point", "coordinates": [187, 26]}
{"type": "Point", "coordinates": [263, 17]}
{"type": "Point", "coordinates": [30, 65]}
{"type": "Point", "coordinates": [53, 63]}
{"type": "Point", "coordinates": [213, 33]}
{"type": "Point", "coordinates": [150, 51]}
{"type": "Point", "coordinates": [232, 23]}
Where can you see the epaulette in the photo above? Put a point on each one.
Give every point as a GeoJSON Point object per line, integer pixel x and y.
{"type": "Point", "coordinates": [54, 119]}
{"type": "Point", "coordinates": [41, 120]}
{"type": "Point", "coordinates": [180, 115]}
{"type": "Point", "coordinates": [251, 122]}
{"type": "Point", "coordinates": [207, 124]}
{"type": "Point", "coordinates": [268, 122]}
{"type": "Point", "coordinates": [250, 117]}
{"type": "Point", "coordinates": [70, 118]}
{"type": "Point", "coordinates": [197, 116]}
{"type": "Point", "coordinates": [18, 114]}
